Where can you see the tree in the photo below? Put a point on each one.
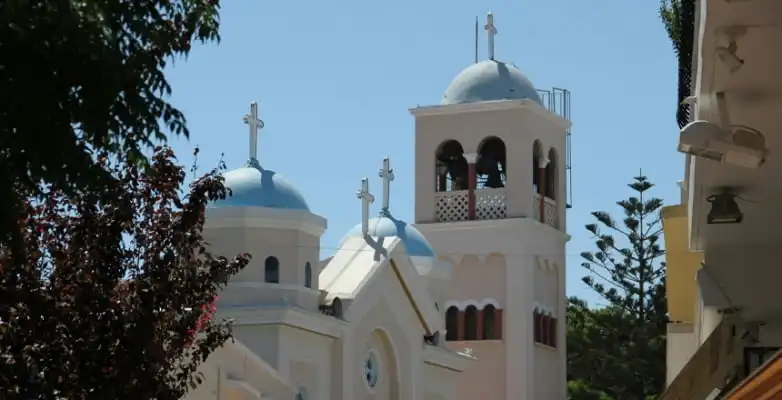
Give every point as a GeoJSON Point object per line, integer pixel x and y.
{"type": "Point", "coordinates": [619, 349]}
{"type": "Point", "coordinates": [678, 17]}
{"type": "Point", "coordinates": [580, 390]}
{"type": "Point", "coordinates": [83, 77]}
{"type": "Point", "coordinates": [113, 299]}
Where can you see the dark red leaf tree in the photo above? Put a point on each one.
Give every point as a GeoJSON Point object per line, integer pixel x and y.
{"type": "Point", "coordinates": [111, 295]}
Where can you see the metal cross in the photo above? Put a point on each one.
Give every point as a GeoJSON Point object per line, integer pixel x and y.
{"type": "Point", "coordinates": [491, 30]}
{"type": "Point", "coordinates": [387, 175]}
{"type": "Point", "coordinates": [255, 125]}
{"type": "Point", "coordinates": [366, 199]}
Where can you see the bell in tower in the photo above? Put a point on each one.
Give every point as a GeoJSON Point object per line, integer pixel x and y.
{"type": "Point", "coordinates": [490, 166]}
{"type": "Point", "coordinates": [451, 167]}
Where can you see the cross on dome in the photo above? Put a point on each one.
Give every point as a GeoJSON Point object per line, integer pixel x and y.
{"type": "Point", "coordinates": [387, 175]}
{"type": "Point", "coordinates": [255, 124]}
{"type": "Point", "coordinates": [491, 30]}
{"type": "Point", "coordinates": [366, 199]}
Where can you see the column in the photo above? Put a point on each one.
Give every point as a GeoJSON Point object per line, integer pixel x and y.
{"type": "Point", "coordinates": [498, 324]}
{"type": "Point", "coordinates": [471, 182]}
{"type": "Point", "coordinates": [542, 163]}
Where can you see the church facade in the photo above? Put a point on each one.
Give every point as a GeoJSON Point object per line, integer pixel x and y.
{"type": "Point", "coordinates": [467, 303]}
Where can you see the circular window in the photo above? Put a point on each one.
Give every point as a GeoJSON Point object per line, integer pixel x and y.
{"type": "Point", "coordinates": [371, 369]}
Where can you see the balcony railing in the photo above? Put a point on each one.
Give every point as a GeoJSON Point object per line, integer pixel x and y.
{"type": "Point", "coordinates": [763, 374]}
{"type": "Point", "coordinates": [452, 206]}
{"type": "Point", "coordinates": [488, 204]}
{"type": "Point", "coordinates": [549, 210]}
{"type": "Point", "coordinates": [755, 357]}
{"type": "Point", "coordinates": [455, 206]}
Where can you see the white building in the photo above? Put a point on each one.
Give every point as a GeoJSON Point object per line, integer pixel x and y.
{"type": "Point", "coordinates": [723, 241]}
{"type": "Point", "coordinates": [467, 304]}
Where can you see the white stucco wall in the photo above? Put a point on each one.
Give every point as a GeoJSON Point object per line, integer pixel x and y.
{"type": "Point", "coordinates": [681, 344]}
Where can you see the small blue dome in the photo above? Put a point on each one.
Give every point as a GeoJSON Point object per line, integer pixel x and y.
{"type": "Point", "coordinates": [388, 226]}
{"type": "Point", "coordinates": [490, 80]}
{"type": "Point", "coordinates": [254, 186]}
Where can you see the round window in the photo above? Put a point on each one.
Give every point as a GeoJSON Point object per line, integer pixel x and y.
{"type": "Point", "coordinates": [371, 369]}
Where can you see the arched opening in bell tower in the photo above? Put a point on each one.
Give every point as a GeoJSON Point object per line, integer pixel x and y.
{"type": "Point", "coordinates": [537, 155]}
{"type": "Point", "coordinates": [450, 167]}
{"type": "Point", "coordinates": [491, 166]}
{"type": "Point", "coordinates": [551, 175]}
{"type": "Point", "coordinates": [471, 323]}
{"type": "Point", "coordinates": [489, 322]}
{"type": "Point", "coordinates": [452, 323]}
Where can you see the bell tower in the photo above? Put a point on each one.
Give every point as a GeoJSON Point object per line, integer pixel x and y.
{"type": "Point", "coordinates": [491, 167]}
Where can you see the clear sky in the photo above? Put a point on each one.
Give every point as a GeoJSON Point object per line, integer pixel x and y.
{"type": "Point", "coordinates": [335, 81]}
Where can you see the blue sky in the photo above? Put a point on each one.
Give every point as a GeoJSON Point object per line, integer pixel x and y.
{"type": "Point", "coordinates": [335, 80]}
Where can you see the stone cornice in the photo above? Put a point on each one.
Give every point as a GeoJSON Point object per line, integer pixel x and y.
{"type": "Point", "coordinates": [498, 105]}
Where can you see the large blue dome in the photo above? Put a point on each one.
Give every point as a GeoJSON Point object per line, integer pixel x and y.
{"type": "Point", "coordinates": [388, 226]}
{"type": "Point", "coordinates": [254, 186]}
{"type": "Point", "coordinates": [490, 80]}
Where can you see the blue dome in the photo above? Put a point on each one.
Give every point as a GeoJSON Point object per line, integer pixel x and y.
{"type": "Point", "coordinates": [253, 186]}
{"type": "Point", "coordinates": [388, 226]}
{"type": "Point", "coordinates": [490, 80]}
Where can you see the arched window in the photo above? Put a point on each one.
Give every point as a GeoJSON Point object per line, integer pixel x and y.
{"type": "Point", "coordinates": [489, 327]}
{"type": "Point", "coordinates": [551, 175]}
{"type": "Point", "coordinates": [536, 326]}
{"type": "Point", "coordinates": [544, 327]}
{"type": "Point", "coordinates": [450, 167]}
{"type": "Point", "coordinates": [336, 308]}
{"type": "Point", "coordinates": [471, 323]}
{"type": "Point", "coordinates": [272, 270]}
{"type": "Point", "coordinates": [308, 275]}
{"type": "Point", "coordinates": [491, 166]}
{"type": "Point", "coordinates": [537, 153]}
{"type": "Point", "coordinates": [452, 323]}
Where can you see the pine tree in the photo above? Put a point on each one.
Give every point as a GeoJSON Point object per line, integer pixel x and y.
{"type": "Point", "coordinates": [112, 300]}
{"type": "Point", "coordinates": [619, 349]}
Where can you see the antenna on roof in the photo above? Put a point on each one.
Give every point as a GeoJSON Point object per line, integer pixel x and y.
{"type": "Point", "coordinates": [476, 39]}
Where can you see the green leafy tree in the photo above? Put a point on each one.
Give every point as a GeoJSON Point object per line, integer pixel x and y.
{"type": "Point", "coordinates": [83, 77]}
{"type": "Point", "coordinates": [113, 300]}
{"type": "Point", "coordinates": [678, 17]}
{"type": "Point", "coordinates": [580, 390]}
{"type": "Point", "coordinates": [619, 349]}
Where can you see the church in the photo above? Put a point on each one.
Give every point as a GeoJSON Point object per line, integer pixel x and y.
{"type": "Point", "coordinates": [466, 302]}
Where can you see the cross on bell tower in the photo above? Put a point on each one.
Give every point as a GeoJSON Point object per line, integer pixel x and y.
{"type": "Point", "coordinates": [387, 175]}
{"type": "Point", "coordinates": [255, 124]}
{"type": "Point", "coordinates": [491, 30]}
{"type": "Point", "coordinates": [366, 199]}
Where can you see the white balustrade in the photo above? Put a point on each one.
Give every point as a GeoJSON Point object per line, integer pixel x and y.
{"type": "Point", "coordinates": [549, 210]}
{"type": "Point", "coordinates": [455, 206]}
{"type": "Point", "coordinates": [490, 204]}
{"type": "Point", "coordinates": [452, 206]}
